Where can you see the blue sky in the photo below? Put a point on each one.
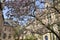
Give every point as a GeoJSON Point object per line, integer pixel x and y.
{"type": "Point", "coordinates": [5, 11]}
{"type": "Point", "coordinates": [40, 5]}
{"type": "Point", "coordinates": [37, 3]}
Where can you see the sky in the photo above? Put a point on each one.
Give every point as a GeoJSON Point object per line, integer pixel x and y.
{"type": "Point", "coordinates": [37, 3]}
{"type": "Point", "coordinates": [5, 10]}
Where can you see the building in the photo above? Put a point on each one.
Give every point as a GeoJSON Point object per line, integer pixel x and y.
{"type": "Point", "coordinates": [7, 32]}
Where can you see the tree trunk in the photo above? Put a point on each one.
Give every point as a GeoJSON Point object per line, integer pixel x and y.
{"type": "Point", "coordinates": [54, 33]}
{"type": "Point", "coordinates": [48, 28]}
{"type": "Point", "coordinates": [18, 37]}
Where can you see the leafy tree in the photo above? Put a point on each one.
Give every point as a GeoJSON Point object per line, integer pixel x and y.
{"type": "Point", "coordinates": [28, 7]}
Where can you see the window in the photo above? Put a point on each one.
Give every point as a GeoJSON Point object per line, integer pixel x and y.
{"type": "Point", "coordinates": [46, 37]}
{"type": "Point", "coordinates": [4, 35]}
{"type": "Point", "coordinates": [9, 36]}
{"type": "Point", "coordinates": [6, 23]}
{"type": "Point", "coordinates": [5, 28]}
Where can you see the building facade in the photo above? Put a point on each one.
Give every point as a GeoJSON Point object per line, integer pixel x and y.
{"type": "Point", "coordinates": [7, 32]}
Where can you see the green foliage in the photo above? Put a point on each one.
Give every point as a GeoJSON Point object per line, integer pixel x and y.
{"type": "Point", "coordinates": [17, 29]}
{"type": "Point", "coordinates": [30, 37]}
